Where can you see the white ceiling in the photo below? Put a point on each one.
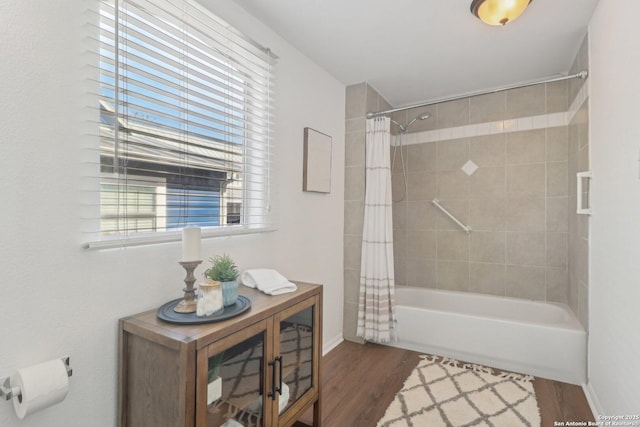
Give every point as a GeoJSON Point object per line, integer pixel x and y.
{"type": "Point", "coordinates": [421, 50]}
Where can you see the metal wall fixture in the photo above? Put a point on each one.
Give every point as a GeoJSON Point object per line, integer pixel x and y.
{"type": "Point", "coordinates": [581, 75]}
{"type": "Point", "coordinates": [437, 204]}
{"type": "Point", "coordinates": [7, 392]}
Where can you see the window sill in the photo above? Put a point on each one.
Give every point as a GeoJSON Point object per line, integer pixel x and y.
{"type": "Point", "coordinates": [166, 237]}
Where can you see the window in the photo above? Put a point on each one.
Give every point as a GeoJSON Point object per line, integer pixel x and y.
{"type": "Point", "coordinates": [185, 121]}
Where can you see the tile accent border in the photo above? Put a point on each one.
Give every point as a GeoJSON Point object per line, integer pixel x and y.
{"type": "Point", "coordinates": [501, 126]}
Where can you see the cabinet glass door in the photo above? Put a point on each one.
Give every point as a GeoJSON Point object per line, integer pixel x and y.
{"type": "Point", "coordinates": [297, 353]}
{"type": "Point", "coordinates": [235, 384]}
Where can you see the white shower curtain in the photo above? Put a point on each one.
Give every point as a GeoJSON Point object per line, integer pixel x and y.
{"type": "Point", "coordinates": [376, 307]}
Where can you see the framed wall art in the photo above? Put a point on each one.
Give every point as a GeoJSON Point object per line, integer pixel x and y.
{"type": "Point", "coordinates": [317, 162]}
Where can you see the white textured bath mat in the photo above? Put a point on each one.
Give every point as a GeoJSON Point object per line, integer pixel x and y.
{"type": "Point", "coordinates": [448, 393]}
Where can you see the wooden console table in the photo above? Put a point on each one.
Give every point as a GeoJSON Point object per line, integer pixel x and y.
{"type": "Point", "coordinates": [261, 368]}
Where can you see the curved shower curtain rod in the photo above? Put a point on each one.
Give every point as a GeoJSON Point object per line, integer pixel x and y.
{"type": "Point", "coordinates": [581, 75]}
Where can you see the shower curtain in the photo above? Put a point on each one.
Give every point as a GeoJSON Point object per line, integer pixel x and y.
{"type": "Point", "coordinates": [376, 309]}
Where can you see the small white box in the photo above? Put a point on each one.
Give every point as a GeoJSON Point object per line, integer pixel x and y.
{"type": "Point", "coordinates": [214, 390]}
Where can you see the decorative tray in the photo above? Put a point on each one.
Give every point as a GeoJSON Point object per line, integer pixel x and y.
{"type": "Point", "coordinates": [167, 314]}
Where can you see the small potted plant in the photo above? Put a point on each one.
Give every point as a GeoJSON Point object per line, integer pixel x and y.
{"type": "Point", "coordinates": [224, 270]}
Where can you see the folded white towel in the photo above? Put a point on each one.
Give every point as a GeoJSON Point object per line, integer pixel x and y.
{"type": "Point", "coordinates": [268, 281]}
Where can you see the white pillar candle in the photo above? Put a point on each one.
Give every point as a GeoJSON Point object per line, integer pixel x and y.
{"type": "Point", "coordinates": [191, 244]}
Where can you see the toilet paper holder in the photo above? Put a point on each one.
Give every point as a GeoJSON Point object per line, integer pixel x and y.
{"type": "Point", "coordinates": [7, 392]}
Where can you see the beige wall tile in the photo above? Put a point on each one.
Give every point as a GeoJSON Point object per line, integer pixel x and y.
{"type": "Point", "coordinates": [452, 154]}
{"type": "Point", "coordinates": [583, 305]}
{"type": "Point", "coordinates": [355, 125]}
{"type": "Point", "coordinates": [525, 214]}
{"type": "Point", "coordinates": [582, 267]}
{"type": "Point", "coordinates": [557, 97]}
{"type": "Point", "coordinates": [350, 323]}
{"type": "Point", "coordinates": [399, 213]}
{"type": "Point", "coordinates": [373, 100]}
{"type": "Point", "coordinates": [557, 285]}
{"type": "Point", "coordinates": [526, 249]}
{"type": "Point", "coordinates": [453, 184]}
{"type": "Point", "coordinates": [453, 275]}
{"type": "Point", "coordinates": [355, 100]}
{"type": "Point", "coordinates": [421, 186]}
{"type": "Point", "coordinates": [487, 246]}
{"type": "Point", "coordinates": [573, 294]}
{"type": "Point", "coordinates": [352, 252]}
{"type": "Point", "coordinates": [421, 272]}
{"type": "Point", "coordinates": [383, 104]}
{"type": "Point", "coordinates": [580, 63]}
{"type": "Point", "coordinates": [582, 223]}
{"type": "Point", "coordinates": [526, 102]}
{"type": "Point", "coordinates": [488, 183]}
{"type": "Point", "coordinates": [574, 141]}
{"type": "Point", "coordinates": [400, 256]}
{"type": "Point", "coordinates": [487, 214]}
{"type": "Point", "coordinates": [351, 286]}
{"type": "Point", "coordinates": [583, 159]}
{"type": "Point", "coordinates": [354, 183]}
{"type": "Point", "coordinates": [526, 147]}
{"type": "Point", "coordinates": [421, 215]}
{"type": "Point", "coordinates": [557, 250]}
{"type": "Point", "coordinates": [422, 243]}
{"type": "Point", "coordinates": [398, 156]}
{"type": "Point", "coordinates": [458, 208]}
{"type": "Point", "coordinates": [487, 108]}
{"type": "Point", "coordinates": [526, 282]}
{"type": "Point", "coordinates": [558, 144]}
{"type": "Point", "coordinates": [453, 245]}
{"type": "Point", "coordinates": [452, 113]}
{"type": "Point", "coordinates": [487, 278]}
{"type": "Point", "coordinates": [558, 214]}
{"type": "Point", "coordinates": [353, 217]}
{"type": "Point", "coordinates": [398, 187]}
{"type": "Point", "coordinates": [354, 149]}
{"type": "Point", "coordinates": [557, 179]}
{"type": "Point", "coordinates": [488, 150]}
{"type": "Point", "coordinates": [421, 157]}
{"type": "Point", "coordinates": [583, 124]}
{"type": "Point", "coordinates": [526, 180]}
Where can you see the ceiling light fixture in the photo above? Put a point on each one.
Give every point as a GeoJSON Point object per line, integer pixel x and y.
{"type": "Point", "coordinates": [498, 12]}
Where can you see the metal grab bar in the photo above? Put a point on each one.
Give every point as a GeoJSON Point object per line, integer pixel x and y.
{"type": "Point", "coordinates": [466, 228]}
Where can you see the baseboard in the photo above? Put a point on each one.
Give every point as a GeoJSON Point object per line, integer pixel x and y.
{"type": "Point", "coordinates": [592, 400]}
{"type": "Point", "coordinates": [332, 343]}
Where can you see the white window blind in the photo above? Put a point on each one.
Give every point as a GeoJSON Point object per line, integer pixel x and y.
{"type": "Point", "coordinates": [185, 121]}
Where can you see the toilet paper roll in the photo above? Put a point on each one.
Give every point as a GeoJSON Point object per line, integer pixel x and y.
{"type": "Point", "coordinates": [42, 386]}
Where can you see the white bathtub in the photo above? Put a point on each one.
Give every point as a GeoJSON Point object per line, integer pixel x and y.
{"type": "Point", "coordinates": [531, 337]}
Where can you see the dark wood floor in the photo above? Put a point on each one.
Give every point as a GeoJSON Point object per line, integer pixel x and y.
{"type": "Point", "coordinates": [358, 385]}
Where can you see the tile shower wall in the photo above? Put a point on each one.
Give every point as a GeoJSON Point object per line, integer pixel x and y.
{"type": "Point", "coordinates": [527, 242]}
{"type": "Point", "coordinates": [360, 99]}
{"type": "Point", "coordinates": [516, 201]}
{"type": "Point", "coordinates": [579, 162]}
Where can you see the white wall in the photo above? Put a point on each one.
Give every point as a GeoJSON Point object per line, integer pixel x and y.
{"type": "Point", "coordinates": [59, 299]}
{"type": "Point", "coordinates": [614, 351]}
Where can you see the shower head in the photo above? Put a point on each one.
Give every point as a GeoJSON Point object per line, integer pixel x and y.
{"type": "Point", "coordinates": [422, 116]}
